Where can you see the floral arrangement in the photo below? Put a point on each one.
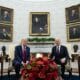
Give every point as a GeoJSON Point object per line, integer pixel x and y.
{"type": "Point", "coordinates": [40, 69]}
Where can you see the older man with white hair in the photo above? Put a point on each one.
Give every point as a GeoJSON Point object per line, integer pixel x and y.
{"type": "Point", "coordinates": [60, 55]}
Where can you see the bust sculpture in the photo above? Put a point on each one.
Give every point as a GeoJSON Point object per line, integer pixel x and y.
{"type": "Point", "coordinates": [75, 52]}
{"type": "Point", "coordinates": [75, 48]}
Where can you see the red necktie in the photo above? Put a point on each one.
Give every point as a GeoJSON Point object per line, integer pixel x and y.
{"type": "Point", "coordinates": [24, 54]}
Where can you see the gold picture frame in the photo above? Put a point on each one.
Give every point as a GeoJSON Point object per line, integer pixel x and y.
{"type": "Point", "coordinates": [6, 15]}
{"type": "Point", "coordinates": [39, 24]}
{"type": "Point", "coordinates": [6, 33]}
{"type": "Point", "coordinates": [73, 14]}
{"type": "Point", "coordinates": [73, 32]}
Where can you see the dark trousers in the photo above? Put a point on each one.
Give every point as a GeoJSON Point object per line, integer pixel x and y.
{"type": "Point", "coordinates": [17, 70]}
{"type": "Point", "coordinates": [62, 67]}
{"type": "Point", "coordinates": [62, 70]}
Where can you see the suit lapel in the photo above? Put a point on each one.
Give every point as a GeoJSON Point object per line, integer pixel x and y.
{"type": "Point", "coordinates": [60, 49]}
{"type": "Point", "coordinates": [26, 49]}
{"type": "Point", "coordinates": [21, 51]}
{"type": "Point", "coordinates": [55, 49]}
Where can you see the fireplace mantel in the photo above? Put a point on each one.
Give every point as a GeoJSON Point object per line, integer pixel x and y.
{"type": "Point", "coordinates": [40, 46]}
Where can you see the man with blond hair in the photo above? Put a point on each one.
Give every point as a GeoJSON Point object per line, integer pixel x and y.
{"type": "Point", "coordinates": [21, 57]}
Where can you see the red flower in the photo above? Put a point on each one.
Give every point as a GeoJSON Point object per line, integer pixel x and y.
{"type": "Point", "coordinates": [41, 75]}
{"type": "Point", "coordinates": [39, 63]}
{"type": "Point", "coordinates": [40, 68]}
{"type": "Point", "coordinates": [23, 72]}
{"type": "Point", "coordinates": [50, 76]}
{"type": "Point", "coordinates": [35, 69]}
{"type": "Point", "coordinates": [31, 75]}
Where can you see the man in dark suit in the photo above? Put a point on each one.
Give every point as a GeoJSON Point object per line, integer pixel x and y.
{"type": "Point", "coordinates": [60, 55]}
{"type": "Point", "coordinates": [22, 56]}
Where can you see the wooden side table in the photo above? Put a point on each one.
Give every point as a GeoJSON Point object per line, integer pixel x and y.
{"type": "Point", "coordinates": [1, 61]}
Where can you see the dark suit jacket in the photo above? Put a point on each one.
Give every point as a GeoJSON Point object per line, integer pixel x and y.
{"type": "Point", "coordinates": [18, 57]}
{"type": "Point", "coordinates": [58, 56]}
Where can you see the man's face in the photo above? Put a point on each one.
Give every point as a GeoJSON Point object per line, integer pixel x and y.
{"type": "Point", "coordinates": [57, 42]}
{"type": "Point", "coordinates": [24, 42]}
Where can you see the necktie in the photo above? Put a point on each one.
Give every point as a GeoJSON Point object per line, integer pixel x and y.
{"type": "Point", "coordinates": [57, 49]}
{"type": "Point", "coordinates": [24, 54]}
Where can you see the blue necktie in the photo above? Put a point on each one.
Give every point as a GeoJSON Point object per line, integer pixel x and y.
{"type": "Point", "coordinates": [57, 49]}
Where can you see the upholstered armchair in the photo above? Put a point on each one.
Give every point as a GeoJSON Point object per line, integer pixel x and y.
{"type": "Point", "coordinates": [72, 65]}
{"type": "Point", "coordinates": [68, 66]}
{"type": "Point", "coordinates": [11, 57]}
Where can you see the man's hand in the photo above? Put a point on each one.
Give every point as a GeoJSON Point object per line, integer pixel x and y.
{"type": "Point", "coordinates": [25, 63]}
{"type": "Point", "coordinates": [63, 60]}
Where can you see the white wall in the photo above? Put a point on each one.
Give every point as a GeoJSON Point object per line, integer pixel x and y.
{"type": "Point", "coordinates": [21, 17]}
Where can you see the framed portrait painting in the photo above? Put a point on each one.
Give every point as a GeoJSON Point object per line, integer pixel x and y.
{"type": "Point", "coordinates": [73, 32]}
{"type": "Point", "coordinates": [39, 24]}
{"type": "Point", "coordinates": [73, 14]}
{"type": "Point", "coordinates": [6, 33]}
{"type": "Point", "coordinates": [6, 15]}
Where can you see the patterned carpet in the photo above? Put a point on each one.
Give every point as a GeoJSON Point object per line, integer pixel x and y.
{"type": "Point", "coordinates": [12, 77]}
{"type": "Point", "coordinates": [72, 78]}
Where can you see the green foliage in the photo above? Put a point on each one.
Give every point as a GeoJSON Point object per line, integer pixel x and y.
{"type": "Point", "coordinates": [40, 39]}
